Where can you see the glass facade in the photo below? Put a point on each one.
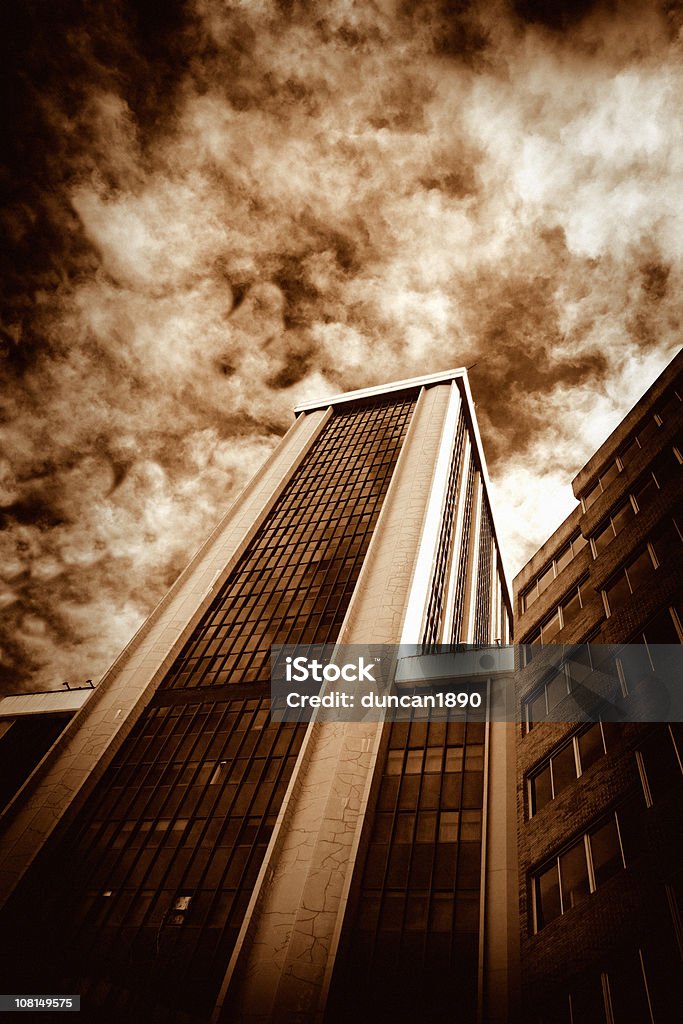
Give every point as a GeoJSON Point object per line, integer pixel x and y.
{"type": "Point", "coordinates": [464, 553]}
{"type": "Point", "coordinates": [412, 946]}
{"type": "Point", "coordinates": [137, 905]}
{"type": "Point", "coordinates": [434, 617]}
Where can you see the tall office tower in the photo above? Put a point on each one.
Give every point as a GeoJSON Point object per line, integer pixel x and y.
{"type": "Point", "coordinates": [181, 857]}
{"type": "Point", "coordinates": [600, 832]}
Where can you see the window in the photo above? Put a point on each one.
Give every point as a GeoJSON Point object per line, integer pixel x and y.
{"type": "Point", "coordinates": [563, 615]}
{"type": "Point", "coordinates": [637, 572]}
{"type": "Point", "coordinates": [660, 761]}
{"type": "Point", "coordinates": [576, 872]}
{"type": "Point", "coordinates": [628, 990]}
{"type": "Point", "coordinates": [669, 407]}
{"type": "Point", "coordinates": [575, 669]}
{"type": "Point", "coordinates": [180, 909]}
{"type": "Point", "coordinates": [612, 526]}
{"type": "Point", "coordinates": [601, 485]}
{"type": "Point", "coordinates": [551, 571]}
{"type": "Point", "coordinates": [618, 995]}
{"type": "Point", "coordinates": [565, 766]}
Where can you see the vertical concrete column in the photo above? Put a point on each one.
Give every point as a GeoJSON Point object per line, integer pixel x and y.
{"type": "Point", "coordinates": [69, 771]}
{"type": "Point", "coordinates": [501, 886]}
{"type": "Point", "coordinates": [282, 965]}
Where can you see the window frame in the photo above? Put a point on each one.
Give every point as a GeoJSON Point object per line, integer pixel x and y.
{"type": "Point", "coordinates": [547, 762]}
{"type": "Point", "coordinates": [545, 866]}
{"type": "Point", "coordinates": [622, 573]}
{"type": "Point", "coordinates": [599, 487]}
{"type": "Point", "coordinates": [552, 564]}
{"type": "Point", "coordinates": [645, 781]}
{"type": "Point", "coordinates": [557, 609]}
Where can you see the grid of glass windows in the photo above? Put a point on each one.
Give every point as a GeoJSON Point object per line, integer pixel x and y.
{"type": "Point", "coordinates": [433, 620]}
{"type": "Point", "coordinates": [553, 569]}
{"type": "Point", "coordinates": [294, 582]}
{"type": "Point", "coordinates": [463, 557]}
{"type": "Point", "coordinates": [565, 765]}
{"type": "Point", "coordinates": [482, 616]}
{"type": "Point", "coordinates": [413, 944]}
{"type": "Point", "coordinates": [171, 841]}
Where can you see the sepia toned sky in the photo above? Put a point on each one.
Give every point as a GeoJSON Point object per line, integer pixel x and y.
{"type": "Point", "coordinates": [214, 211]}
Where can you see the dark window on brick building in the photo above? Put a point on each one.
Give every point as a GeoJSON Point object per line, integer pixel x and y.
{"type": "Point", "coordinates": [659, 762]}
{"type": "Point", "coordinates": [564, 766]}
{"type": "Point", "coordinates": [551, 571]}
{"type": "Point", "coordinates": [627, 581]}
{"type": "Point", "coordinates": [577, 871]}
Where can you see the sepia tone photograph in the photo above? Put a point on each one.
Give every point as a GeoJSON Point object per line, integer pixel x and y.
{"type": "Point", "coordinates": [341, 340]}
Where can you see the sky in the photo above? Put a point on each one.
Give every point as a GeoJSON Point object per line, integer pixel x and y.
{"type": "Point", "coordinates": [213, 211]}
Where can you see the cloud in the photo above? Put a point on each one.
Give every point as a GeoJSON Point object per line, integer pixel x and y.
{"type": "Point", "coordinates": [217, 211]}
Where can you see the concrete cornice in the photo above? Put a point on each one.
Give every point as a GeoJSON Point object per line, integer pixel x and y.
{"type": "Point", "coordinates": [383, 389]}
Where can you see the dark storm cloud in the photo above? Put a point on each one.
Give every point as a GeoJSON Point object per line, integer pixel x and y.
{"type": "Point", "coordinates": [217, 210]}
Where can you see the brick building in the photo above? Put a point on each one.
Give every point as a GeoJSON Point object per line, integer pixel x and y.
{"type": "Point", "coordinates": [599, 820]}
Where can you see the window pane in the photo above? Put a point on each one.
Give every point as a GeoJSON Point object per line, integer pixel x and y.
{"type": "Point", "coordinates": [588, 1003]}
{"type": "Point", "coordinates": [661, 630]}
{"type": "Point", "coordinates": [550, 629]}
{"type": "Point", "coordinates": [590, 747]}
{"type": "Point", "coordinates": [640, 570]}
{"type": "Point", "coordinates": [571, 609]}
{"type": "Point", "coordinates": [547, 897]}
{"type": "Point", "coordinates": [604, 537]}
{"type": "Point", "coordinates": [574, 875]}
{"type": "Point", "coordinates": [609, 475]}
{"type": "Point", "coordinates": [433, 760]}
{"type": "Point", "coordinates": [660, 762]}
{"type": "Point", "coordinates": [556, 689]}
{"type": "Point", "coordinates": [563, 559]}
{"type": "Point", "coordinates": [593, 495]}
{"type": "Point", "coordinates": [530, 597]}
{"type": "Point", "coordinates": [606, 852]}
{"type": "Point", "coordinates": [645, 492]}
{"type": "Point", "coordinates": [618, 594]}
{"type": "Point", "coordinates": [454, 759]}
{"type": "Point", "coordinates": [631, 452]}
{"type": "Point", "coordinates": [564, 768]}
{"type": "Point", "coordinates": [426, 827]}
{"type": "Point", "coordinates": [470, 826]}
{"type": "Point", "coordinates": [578, 544]}
{"type": "Point", "coordinates": [650, 428]}
{"type": "Point", "coordinates": [546, 579]}
{"type": "Point", "coordinates": [541, 792]}
{"type": "Point", "coordinates": [537, 711]}
{"type": "Point", "coordinates": [622, 516]}
{"type": "Point", "coordinates": [627, 991]}
{"type": "Point", "coordinates": [666, 468]}
{"type": "Point", "coordinates": [448, 827]}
